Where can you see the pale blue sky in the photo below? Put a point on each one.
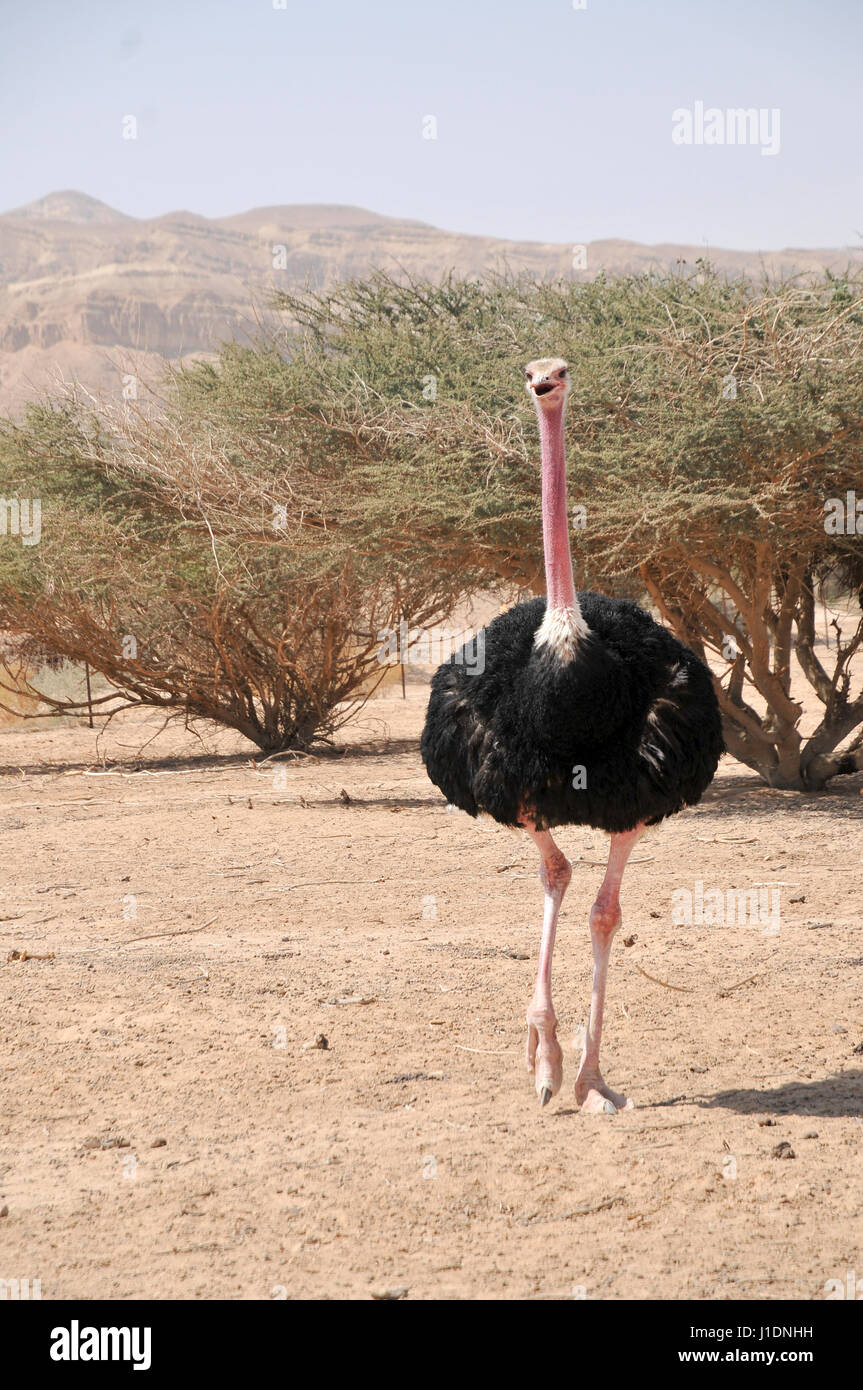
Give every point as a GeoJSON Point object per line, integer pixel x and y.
{"type": "Point", "coordinates": [553, 123]}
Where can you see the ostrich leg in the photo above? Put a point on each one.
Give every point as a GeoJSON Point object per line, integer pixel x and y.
{"type": "Point", "coordinates": [544, 1055]}
{"type": "Point", "coordinates": [591, 1092]}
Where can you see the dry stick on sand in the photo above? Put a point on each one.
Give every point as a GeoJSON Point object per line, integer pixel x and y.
{"type": "Point", "coordinates": [602, 864]}
{"type": "Point", "coordinates": [604, 1205]}
{"type": "Point", "coordinates": [687, 989]}
{"type": "Point", "coordinates": [148, 772]}
{"type": "Point", "coordinates": [326, 882]}
{"type": "Point", "coordinates": [148, 936]}
{"type": "Point", "coordinates": [184, 931]}
{"type": "Point", "coordinates": [681, 989]}
{"type": "Point", "coordinates": [727, 839]}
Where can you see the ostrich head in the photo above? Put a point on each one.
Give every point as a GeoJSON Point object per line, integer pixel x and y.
{"type": "Point", "coordinates": [547, 382]}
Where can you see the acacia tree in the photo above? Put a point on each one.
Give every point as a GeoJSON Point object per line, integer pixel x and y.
{"type": "Point", "coordinates": [755, 406]}
{"type": "Point", "coordinates": [714, 428]}
{"type": "Point", "coordinates": [187, 561]}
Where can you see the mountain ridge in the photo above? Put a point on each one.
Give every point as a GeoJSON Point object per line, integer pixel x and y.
{"type": "Point", "coordinates": [81, 282]}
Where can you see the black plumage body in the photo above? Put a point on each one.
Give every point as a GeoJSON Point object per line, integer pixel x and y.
{"type": "Point", "coordinates": [628, 731]}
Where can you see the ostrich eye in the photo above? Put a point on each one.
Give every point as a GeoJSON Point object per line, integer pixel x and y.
{"type": "Point", "coordinates": [562, 371]}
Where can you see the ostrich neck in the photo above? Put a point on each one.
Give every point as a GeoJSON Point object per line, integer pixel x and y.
{"type": "Point", "coordinates": [559, 586]}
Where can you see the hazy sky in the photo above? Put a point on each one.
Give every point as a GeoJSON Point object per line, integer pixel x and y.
{"type": "Point", "coordinates": [553, 123]}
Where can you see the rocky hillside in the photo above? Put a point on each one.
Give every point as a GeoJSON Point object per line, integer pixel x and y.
{"type": "Point", "coordinates": [87, 292]}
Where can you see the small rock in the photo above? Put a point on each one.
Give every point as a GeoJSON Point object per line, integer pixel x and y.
{"type": "Point", "coordinates": [837, 1028]}
{"type": "Point", "coordinates": [517, 955]}
{"type": "Point", "coordinates": [858, 1049]}
{"type": "Point", "coordinates": [765, 1123]}
{"type": "Point", "coordinates": [813, 1134]}
{"type": "Point", "coordinates": [783, 1150]}
{"type": "Point", "coordinates": [4, 1210]}
{"type": "Point", "coordinates": [631, 940]}
{"type": "Point", "coordinates": [321, 1043]}
{"type": "Point", "coordinates": [105, 1141]}
{"type": "Point", "coordinates": [159, 1144]}
{"type": "Point", "coordinates": [389, 1295]}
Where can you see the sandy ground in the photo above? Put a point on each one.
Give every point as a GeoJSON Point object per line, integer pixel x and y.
{"type": "Point", "coordinates": [170, 1130]}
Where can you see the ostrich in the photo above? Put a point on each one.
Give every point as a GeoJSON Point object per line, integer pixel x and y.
{"type": "Point", "coordinates": [582, 711]}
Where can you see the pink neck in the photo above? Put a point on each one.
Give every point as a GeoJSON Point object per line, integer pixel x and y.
{"type": "Point", "coordinates": [559, 585]}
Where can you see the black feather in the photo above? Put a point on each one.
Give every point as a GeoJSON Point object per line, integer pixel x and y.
{"type": "Point", "coordinates": [635, 708]}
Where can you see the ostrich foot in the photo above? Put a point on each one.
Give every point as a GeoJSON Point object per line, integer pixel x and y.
{"type": "Point", "coordinates": [596, 1098]}
{"type": "Point", "coordinates": [544, 1055]}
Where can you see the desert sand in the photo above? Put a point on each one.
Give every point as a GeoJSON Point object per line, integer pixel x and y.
{"type": "Point", "coordinates": [276, 1049]}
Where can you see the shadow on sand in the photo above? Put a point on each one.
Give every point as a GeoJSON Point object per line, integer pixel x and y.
{"type": "Point", "coordinates": [218, 762]}
{"type": "Point", "coordinates": [835, 1095]}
